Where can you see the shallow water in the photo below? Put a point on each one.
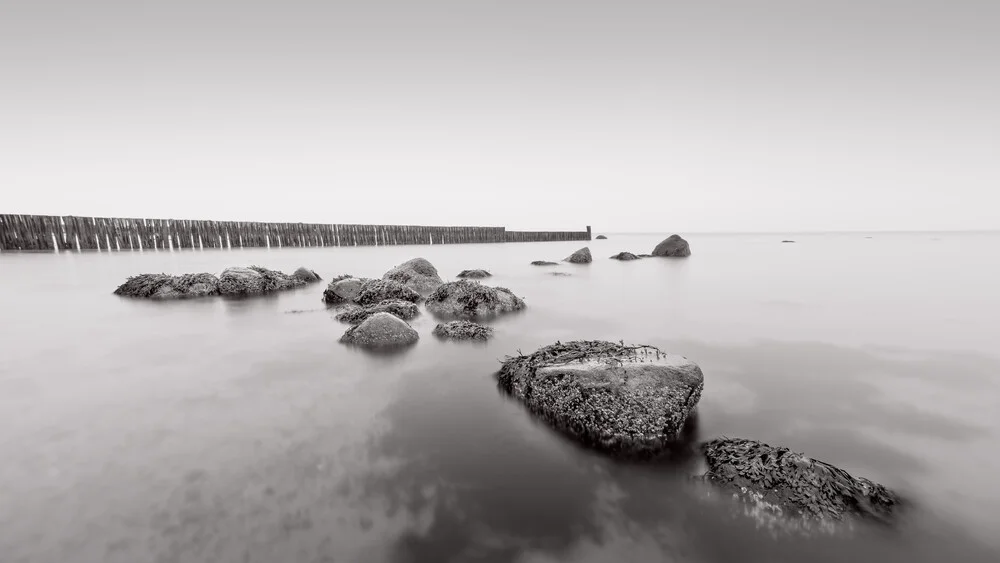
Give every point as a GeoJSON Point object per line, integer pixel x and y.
{"type": "Point", "coordinates": [238, 430]}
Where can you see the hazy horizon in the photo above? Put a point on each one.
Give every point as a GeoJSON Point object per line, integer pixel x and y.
{"type": "Point", "coordinates": [628, 116]}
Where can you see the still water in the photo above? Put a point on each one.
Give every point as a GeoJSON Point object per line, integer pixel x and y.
{"type": "Point", "coordinates": [241, 431]}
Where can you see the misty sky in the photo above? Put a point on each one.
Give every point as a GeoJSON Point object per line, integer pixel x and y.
{"type": "Point", "coordinates": [629, 116]}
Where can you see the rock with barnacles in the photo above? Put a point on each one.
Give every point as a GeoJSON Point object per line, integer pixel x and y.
{"type": "Point", "coordinates": [343, 289]}
{"type": "Point", "coordinates": [255, 280]}
{"type": "Point", "coordinates": [417, 274]}
{"type": "Point", "coordinates": [581, 256]}
{"type": "Point", "coordinates": [166, 287]}
{"type": "Point", "coordinates": [463, 330]}
{"type": "Point", "coordinates": [673, 246]}
{"type": "Point", "coordinates": [632, 401]}
{"type": "Point", "coordinates": [790, 491]}
{"type": "Point", "coordinates": [375, 291]}
{"type": "Point", "coordinates": [470, 299]}
{"type": "Point", "coordinates": [544, 263]}
{"type": "Point", "coordinates": [306, 275]}
{"type": "Point", "coordinates": [381, 330]}
{"type": "Point", "coordinates": [474, 274]}
{"type": "Point", "coordinates": [624, 256]}
{"type": "Point", "coordinates": [405, 310]}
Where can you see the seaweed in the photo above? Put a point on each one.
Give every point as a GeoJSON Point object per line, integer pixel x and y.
{"type": "Point", "coordinates": [403, 309]}
{"type": "Point", "coordinates": [463, 330]}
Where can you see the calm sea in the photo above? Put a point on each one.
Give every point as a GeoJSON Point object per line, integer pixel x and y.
{"type": "Point", "coordinates": [241, 431]}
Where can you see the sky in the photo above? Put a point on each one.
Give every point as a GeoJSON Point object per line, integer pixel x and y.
{"type": "Point", "coordinates": [629, 116]}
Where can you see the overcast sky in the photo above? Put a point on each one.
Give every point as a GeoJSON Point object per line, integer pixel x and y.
{"type": "Point", "coordinates": [628, 116]}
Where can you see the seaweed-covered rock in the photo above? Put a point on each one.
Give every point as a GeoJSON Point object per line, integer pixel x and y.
{"type": "Point", "coordinates": [544, 263]}
{"type": "Point", "coordinates": [581, 256]}
{"type": "Point", "coordinates": [402, 309]}
{"type": "Point", "coordinates": [475, 274]}
{"type": "Point", "coordinates": [379, 331]}
{"type": "Point", "coordinates": [164, 286]}
{"type": "Point", "coordinates": [255, 280]}
{"type": "Point", "coordinates": [673, 246]}
{"type": "Point", "coordinates": [417, 274]}
{"type": "Point", "coordinates": [342, 290]}
{"type": "Point", "coordinates": [777, 483]}
{"type": "Point", "coordinates": [601, 237]}
{"type": "Point", "coordinates": [628, 400]}
{"type": "Point", "coordinates": [624, 256]}
{"type": "Point", "coordinates": [306, 275]}
{"type": "Point", "coordinates": [467, 298]}
{"type": "Point", "coordinates": [375, 291]}
{"type": "Point", "coordinates": [463, 330]}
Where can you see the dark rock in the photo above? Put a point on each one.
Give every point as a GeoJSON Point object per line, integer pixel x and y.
{"type": "Point", "coordinates": [776, 483]}
{"type": "Point", "coordinates": [467, 298]}
{"type": "Point", "coordinates": [306, 275]}
{"type": "Point", "coordinates": [673, 246]}
{"type": "Point", "coordinates": [463, 330]}
{"type": "Point", "coordinates": [629, 400]}
{"type": "Point", "coordinates": [788, 241]}
{"type": "Point", "coordinates": [601, 237]}
{"type": "Point", "coordinates": [164, 286]}
{"type": "Point", "coordinates": [624, 256]}
{"type": "Point", "coordinates": [417, 274]}
{"type": "Point", "coordinates": [343, 289]}
{"type": "Point", "coordinates": [544, 263]}
{"type": "Point", "coordinates": [402, 309]}
{"type": "Point", "coordinates": [375, 291]}
{"type": "Point", "coordinates": [581, 256]}
{"type": "Point", "coordinates": [379, 331]}
{"type": "Point", "coordinates": [255, 280]}
{"type": "Point", "coordinates": [477, 274]}
{"type": "Point", "coordinates": [645, 256]}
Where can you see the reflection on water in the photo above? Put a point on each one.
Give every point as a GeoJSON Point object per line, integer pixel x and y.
{"type": "Point", "coordinates": [230, 430]}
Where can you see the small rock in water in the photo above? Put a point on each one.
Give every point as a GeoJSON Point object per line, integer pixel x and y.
{"type": "Point", "coordinates": [375, 291]}
{"type": "Point", "coordinates": [788, 241]}
{"type": "Point", "coordinates": [417, 274]}
{"type": "Point", "coordinates": [165, 286]}
{"type": "Point", "coordinates": [560, 274]}
{"type": "Point", "coordinates": [601, 237]}
{"type": "Point", "coordinates": [463, 330]}
{"type": "Point", "coordinates": [475, 274]}
{"type": "Point", "coordinates": [306, 275]}
{"type": "Point", "coordinates": [402, 309]}
{"type": "Point", "coordinates": [343, 289]}
{"type": "Point", "coordinates": [581, 256]}
{"type": "Point", "coordinates": [381, 330]}
{"type": "Point", "coordinates": [624, 256]}
{"type": "Point", "coordinates": [467, 298]}
{"type": "Point", "coordinates": [673, 246]}
{"type": "Point", "coordinates": [544, 263]}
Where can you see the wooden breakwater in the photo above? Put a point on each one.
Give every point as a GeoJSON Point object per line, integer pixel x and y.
{"type": "Point", "coordinates": [50, 232]}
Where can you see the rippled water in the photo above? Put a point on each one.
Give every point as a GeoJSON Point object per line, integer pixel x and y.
{"type": "Point", "coordinates": [221, 430]}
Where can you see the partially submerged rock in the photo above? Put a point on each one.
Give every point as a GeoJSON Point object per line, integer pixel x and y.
{"type": "Point", "coordinates": [417, 274]}
{"type": "Point", "coordinates": [581, 256]}
{"type": "Point", "coordinates": [255, 280]}
{"type": "Point", "coordinates": [375, 291]}
{"type": "Point", "coordinates": [560, 274]}
{"type": "Point", "coordinates": [467, 298]}
{"type": "Point", "coordinates": [463, 330]}
{"type": "Point", "coordinates": [475, 274]}
{"type": "Point", "coordinates": [629, 400]}
{"type": "Point", "coordinates": [306, 275]}
{"type": "Point", "coordinates": [788, 241]}
{"type": "Point", "coordinates": [777, 483]}
{"type": "Point", "coordinates": [624, 256]}
{"type": "Point", "coordinates": [673, 246]}
{"type": "Point", "coordinates": [544, 263]}
{"type": "Point", "coordinates": [381, 330]}
{"type": "Point", "coordinates": [342, 290]}
{"type": "Point", "coordinates": [165, 286]}
{"type": "Point", "coordinates": [402, 309]}
{"type": "Point", "coordinates": [601, 237]}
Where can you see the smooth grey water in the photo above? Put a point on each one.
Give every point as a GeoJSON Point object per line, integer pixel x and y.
{"type": "Point", "coordinates": [241, 431]}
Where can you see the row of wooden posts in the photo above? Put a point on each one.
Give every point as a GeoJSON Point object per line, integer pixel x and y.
{"type": "Point", "coordinates": [51, 233]}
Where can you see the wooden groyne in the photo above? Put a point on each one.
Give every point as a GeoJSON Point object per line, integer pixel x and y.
{"type": "Point", "coordinates": [49, 232]}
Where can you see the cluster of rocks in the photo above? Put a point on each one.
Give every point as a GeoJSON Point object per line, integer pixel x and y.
{"type": "Point", "coordinates": [467, 298]}
{"type": "Point", "coordinates": [635, 401]}
{"type": "Point", "coordinates": [673, 246]}
{"type": "Point", "coordinates": [233, 282]}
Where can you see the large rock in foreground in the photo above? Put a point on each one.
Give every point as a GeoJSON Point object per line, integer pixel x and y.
{"type": "Point", "coordinates": [463, 330]}
{"type": "Point", "coordinates": [776, 483]}
{"type": "Point", "coordinates": [474, 274]}
{"type": "Point", "coordinates": [402, 309]}
{"type": "Point", "coordinates": [375, 291]}
{"type": "Point", "coordinates": [581, 256]}
{"type": "Point", "coordinates": [673, 246]}
{"type": "Point", "coordinates": [255, 280]}
{"type": "Point", "coordinates": [164, 286]}
{"type": "Point", "coordinates": [467, 298]}
{"type": "Point", "coordinates": [381, 330]}
{"type": "Point", "coordinates": [629, 400]}
{"type": "Point", "coordinates": [417, 274]}
{"type": "Point", "coordinates": [624, 256]}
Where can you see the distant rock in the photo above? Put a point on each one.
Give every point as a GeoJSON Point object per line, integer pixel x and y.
{"type": "Point", "coordinates": [463, 330]}
{"type": "Point", "coordinates": [601, 237]}
{"type": "Point", "coordinates": [645, 256]}
{"type": "Point", "coordinates": [673, 246]}
{"type": "Point", "coordinates": [544, 263]}
{"type": "Point", "coordinates": [306, 275]}
{"type": "Point", "coordinates": [402, 309]}
{"type": "Point", "coordinates": [627, 400]}
{"type": "Point", "coordinates": [788, 241]}
{"type": "Point", "coordinates": [581, 256]}
{"type": "Point", "coordinates": [560, 274]}
{"type": "Point", "coordinates": [475, 274]}
{"type": "Point", "coordinates": [343, 290]}
{"type": "Point", "coordinates": [380, 330]}
{"type": "Point", "coordinates": [790, 488]}
{"type": "Point", "coordinates": [417, 274]}
{"type": "Point", "coordinates": [624, 256]}
{"type": "Point", "coordinates": [255, 280]}
{"type": "Point", "coordinates": [467, 298]}
{"type": "Point", "coordinates": [375, 291]}
{"type": "Point", "coordinates": [165, 287]}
